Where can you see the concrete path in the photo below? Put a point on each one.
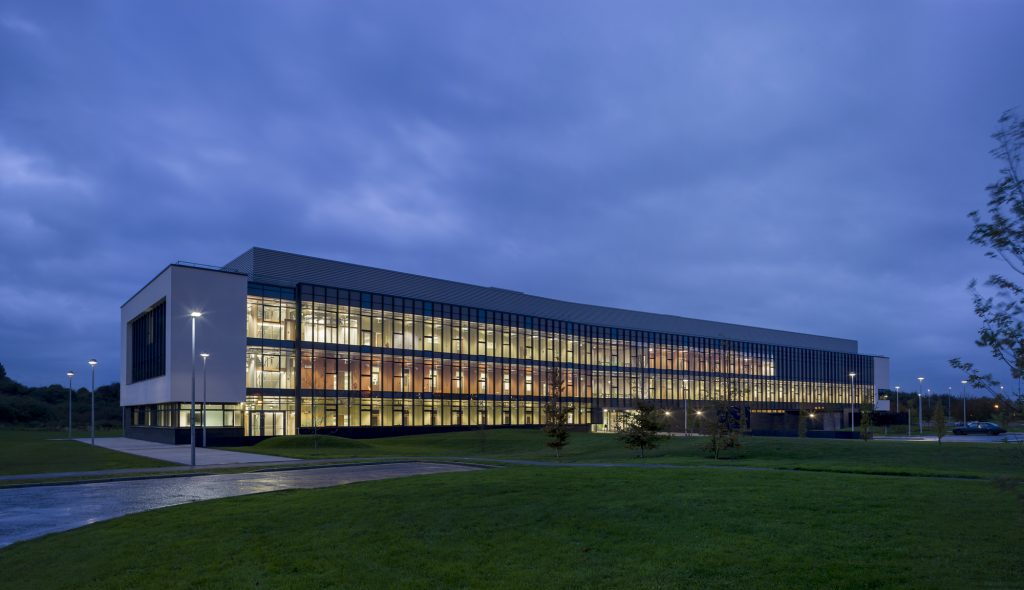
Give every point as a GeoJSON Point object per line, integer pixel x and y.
{"type": "Point", "coordinates": [1012, 437]}
{"type": "Point", "coordinates": [29, 512]}
{"type": "Point", "coordinates": [181, 453]}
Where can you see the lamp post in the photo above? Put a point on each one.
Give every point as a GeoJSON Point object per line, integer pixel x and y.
{"type": "Point", "coordinates": [192, 412]}
{"type": "Point", "coordinates": [963, 386]}
{"type": "Point", "coordinates": [949, 402]}
{"type": "Point", "coordinates": [71, 394]}
{"type": "Point", "coordinates": [853, 398]}
{"type": "Point", "coordinates": [205, 356]}
{"type": "Point", "coordinates": [897, 398]}
{"type": "Point", "coordinates": [92, 403]}
{"type": "Point", "coordinates": [920, 428]}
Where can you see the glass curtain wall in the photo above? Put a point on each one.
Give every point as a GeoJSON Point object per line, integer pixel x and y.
{"type": "Point", "coordinates": [359, 359]}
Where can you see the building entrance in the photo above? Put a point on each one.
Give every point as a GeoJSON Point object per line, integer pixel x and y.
{"type": "Point", "coordinates": [267, 423]}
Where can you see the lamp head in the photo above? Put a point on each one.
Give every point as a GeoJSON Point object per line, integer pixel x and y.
{"type": "Point", "coordinates": [920, 379]}
{"type": "Point", "coordinates": [963, 382]}
{"type": "Point", "coordinates": [205, 355]}
{"type": "Point", "coordinates": [93, 362]}
{"type": "Point", "coordinates": [71, 373]}
{"type": "Point", "coordinates": [852, 374]}
{"type": "Point", "coordinates": [196, 314]}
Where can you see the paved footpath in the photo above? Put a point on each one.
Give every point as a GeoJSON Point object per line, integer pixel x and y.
{"type": "Point", "coordinates": [34, 511]}
{"type": "Point", "coordinates": [1009, 437]}
{"type": "Point", "coordinates": [180, 453]}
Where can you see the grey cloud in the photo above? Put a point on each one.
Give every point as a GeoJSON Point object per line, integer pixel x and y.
{"type": "Point", "coordinates": [805, 167]}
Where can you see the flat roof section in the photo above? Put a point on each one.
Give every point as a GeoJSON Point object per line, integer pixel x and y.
{"type": "Point", "coordinates": [283, 268]}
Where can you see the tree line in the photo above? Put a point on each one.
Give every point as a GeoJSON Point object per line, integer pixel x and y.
{"type": "Point", "coordinates": [47, 407]}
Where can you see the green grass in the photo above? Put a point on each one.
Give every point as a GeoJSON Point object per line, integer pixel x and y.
{"type": "Point", "coordinates": [45, 451]}
{"type": "Point", "coordinates": [856, 456]}
{"type": "Point", "coordinates": [523, 527]}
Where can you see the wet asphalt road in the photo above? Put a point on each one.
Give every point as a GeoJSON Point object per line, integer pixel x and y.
{"type": "Point", "coordinates": [29, 512]}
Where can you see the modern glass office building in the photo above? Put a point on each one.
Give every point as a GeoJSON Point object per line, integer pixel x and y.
{"type": "Point", "coordinates": [297, 342]}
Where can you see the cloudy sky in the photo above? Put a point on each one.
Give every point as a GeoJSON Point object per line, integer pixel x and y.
{"type": "Point", "coordinates": [806, 166]}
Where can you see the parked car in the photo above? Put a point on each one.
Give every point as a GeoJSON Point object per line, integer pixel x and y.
{"type": "Point", "coordinates": [990, 428]}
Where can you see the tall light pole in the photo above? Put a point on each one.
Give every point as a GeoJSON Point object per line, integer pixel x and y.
{"type": "Point", "coordinates": [897, 398]}
{"type": "Point", "coordinates": [853, 397]}
{"type": "Point", "coordinates": [192, 413]}
{"type": "Point", "coordinates": [920, 428]}
{"type": "Point", "coordinates": [964, 386]}
{"type": "Point", "coordinates": [71, 394]}
{"type": "Point", "coordinates": [205, 356]}
{"type": "Point", "coordinates": [92, 403]}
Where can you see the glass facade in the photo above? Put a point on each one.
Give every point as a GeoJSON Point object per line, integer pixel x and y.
{"type": "Point", "coordinates": [348, 358]}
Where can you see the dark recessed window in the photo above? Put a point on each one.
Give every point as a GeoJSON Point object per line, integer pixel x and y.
{"type": "Point", "coordinates": [148, 343]}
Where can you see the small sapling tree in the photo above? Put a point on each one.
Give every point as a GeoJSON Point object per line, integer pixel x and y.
{"type": "Point", "coordinates": [865, 421]}
{"type": "Point", "coordinates": [723, 424]}
{"type": "Point", "coordinates": [641, 428]}
{"type": "Point", "coordinates": [939, 421]}
{"type": "Point", "coordinates": [556, 413]}
{"type": "Point", "coordinates": [801, 421]}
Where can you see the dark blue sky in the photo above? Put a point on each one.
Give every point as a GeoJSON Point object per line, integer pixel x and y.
{"type": "Point", "coordinates": [801, 166]}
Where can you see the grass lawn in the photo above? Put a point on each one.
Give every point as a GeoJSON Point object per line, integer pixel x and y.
{"type": "Point", "coordinates": [47, 451]}
{"type": "Point", "coordinates": [879, 457]}
{"type": "Point", "coordinates": [522, 527]}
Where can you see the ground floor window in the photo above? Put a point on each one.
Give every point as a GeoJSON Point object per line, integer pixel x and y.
{"type": "Point", "coordinates": [179, 415]}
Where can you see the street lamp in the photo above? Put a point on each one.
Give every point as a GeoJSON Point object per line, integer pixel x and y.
{"type": "Point", "coordinates": [71, 393]}
{"type": "Point", "coordinates": [920, 428]}
{"type": "Point", "coordinates": [192, 412]}
{"type": "Point", "coordinates": [205, 356]}
{"type": "Point", "coordinates": [950, 402]}
{"type": "Point", "coordinates": [963, 386]}
{"type": "Point", "coordinates": [897, 398]}
{"type": "Point", "coordinates": [92, 402]}
{"type": "Point", "coordinates": [853, 397]}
